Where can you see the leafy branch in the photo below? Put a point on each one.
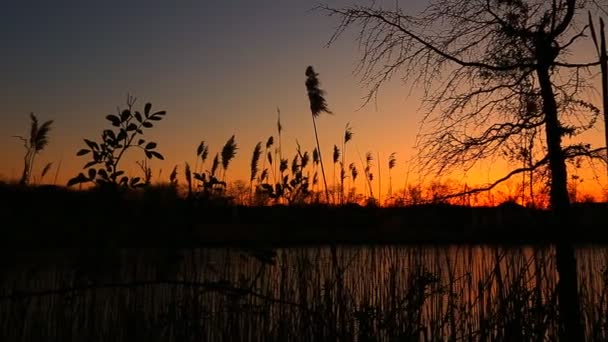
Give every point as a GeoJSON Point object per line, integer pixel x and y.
{"type": "Point", "coordinates": [103, 168]}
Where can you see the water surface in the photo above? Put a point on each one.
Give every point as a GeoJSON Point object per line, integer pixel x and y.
{"type": "Point", "coordinates": [362, 293]}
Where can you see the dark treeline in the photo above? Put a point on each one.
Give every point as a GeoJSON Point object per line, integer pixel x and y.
{"type": "Point", "coordinates": [158, 215]}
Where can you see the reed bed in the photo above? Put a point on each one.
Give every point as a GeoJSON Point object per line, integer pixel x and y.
{"type": "Point", "coordinates": [374, 293]}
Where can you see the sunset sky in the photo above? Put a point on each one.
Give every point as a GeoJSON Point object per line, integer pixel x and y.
{"type": "Point", "coordinates": [217, 67]}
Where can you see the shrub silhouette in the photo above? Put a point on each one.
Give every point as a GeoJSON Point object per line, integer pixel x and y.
{"type": "Point", "coordinates": [103, 169]}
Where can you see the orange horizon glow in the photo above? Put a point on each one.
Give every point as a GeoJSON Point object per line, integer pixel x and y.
{"type": "Point", "coordinates": [376, 136]}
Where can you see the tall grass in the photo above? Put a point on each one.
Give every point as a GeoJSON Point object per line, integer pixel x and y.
{"type": "Point", "coordinates": [34, 144]}
{"type": "Point", "coordinates": [392, 161]}
{"type": "Point", "coordinates": [228, 153]}
{"type": "Point", "coordinates": [336, 159]}
{"type": "Point", "coordinates": [318, 105]}
{"type": "Point", "coordinates": [348, 135]}
{"type": "Point", "coordinates": [255, 158]}
{"type": "Point", "coordinates": [381, 293]}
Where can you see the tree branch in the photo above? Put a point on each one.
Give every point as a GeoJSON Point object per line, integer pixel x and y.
{"type": "Point", "coordinates": [499, 181]}
{"type": "Point", "coordinates": [357, 13]}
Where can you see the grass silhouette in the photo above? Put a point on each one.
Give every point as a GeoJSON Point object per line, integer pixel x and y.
{"type": "Point", "coordinates": [227, 294]}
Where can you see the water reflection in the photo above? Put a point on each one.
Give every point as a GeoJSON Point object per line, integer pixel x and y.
{"type": "Point", "coordinates": [313, 293]}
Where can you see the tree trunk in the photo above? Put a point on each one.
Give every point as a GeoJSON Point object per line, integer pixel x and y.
{"type": "Point", "coordinates": [569, 305]}
{"type": "Point", "coordinates": [604, 69]}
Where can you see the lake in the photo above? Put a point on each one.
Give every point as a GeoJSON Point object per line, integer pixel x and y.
{"type": "Point", "coordinates": [315, 293]}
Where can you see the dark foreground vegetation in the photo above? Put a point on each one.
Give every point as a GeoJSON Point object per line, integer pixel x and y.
{"type": "Point", "coordinates": [362, 293]}
{"type": "Point", "coordinates": [46, 216]}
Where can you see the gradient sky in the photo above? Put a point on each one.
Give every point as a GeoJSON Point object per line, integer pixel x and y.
{"type": "Point", "coordinates": [217, 67]}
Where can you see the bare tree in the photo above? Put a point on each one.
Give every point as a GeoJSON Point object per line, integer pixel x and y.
{"type": "Point", "coordinates": [492, 71]}
{"type": "Point", "coordinates": [602, 53]}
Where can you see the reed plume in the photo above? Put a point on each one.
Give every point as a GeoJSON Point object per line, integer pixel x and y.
{"type": "Point", "coordinates": [228, 153]}
{"type": "Point", "coordinates": [348, 135]}
{"type": "Point", "coordinates": [37, 141]}
{"type": "Point", "coordinates": [188, 174]}
{"type": "Point", "coordinates": [336, 160]}
{"type": "Point", "coordinates": [215, 165]}
{"type": "Point", "coordinates": [201, 152]}
{"type": "Point", "coordinates": [318, 105]}
{"type": "Point", "coordinates": [392, 161]}
{"type": "Point", "coordinates": [255, 158]}
{"type": "Point", "coordinates": [45, 170]}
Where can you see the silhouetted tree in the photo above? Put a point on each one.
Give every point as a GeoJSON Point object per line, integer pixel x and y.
{"type": "Point", "coordinates": [485, 58]}
{"type": "Point", "coordinates": [36, 142]}
{"type": "Point", "coordinates": [602, 53]}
